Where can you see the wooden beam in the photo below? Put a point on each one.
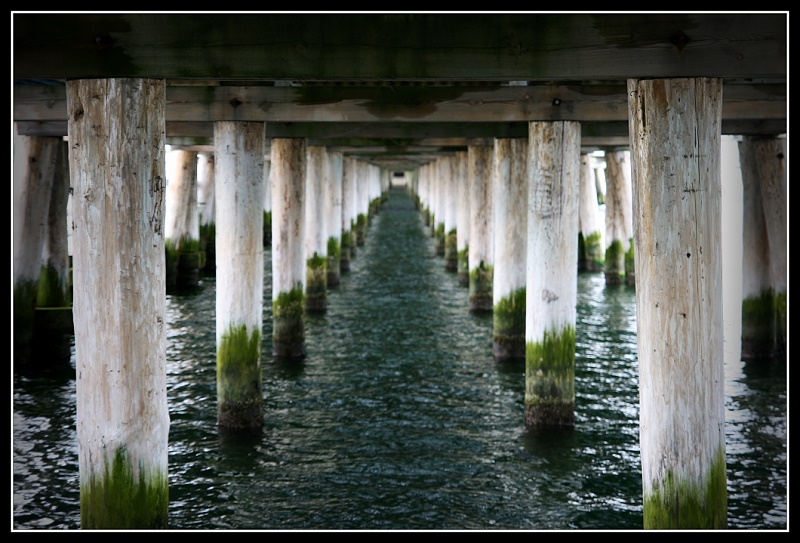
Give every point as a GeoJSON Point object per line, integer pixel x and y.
{"type": "Point", "coordinates": [419, 103]}
{"type": "Point", "coordinates": [400, 47]}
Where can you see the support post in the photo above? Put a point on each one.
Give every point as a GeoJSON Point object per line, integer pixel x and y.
{"type": "Point", "coordinates": [53, 325]}
{"type": "Point", "coordinates": [333, 214]}
{"type": "Point", "coordinates": [267, 198]}
{"type": "Point", "coordinates": [207, 214]}
{"type": "Point", "coordinates": [349, 215]}
{"type": "Point", "coordinates": [764, 267]}
{"type": "Point", "coordinates": [35, 159]}
{"type": "Point", "coordinates": [481, 253]}
{"type": "Point", "coordinates": [510, 212]}
{"type": "Point", "coordinates": [239, 150]}
{"type": "Point", "coordinates": [316, 231]}
{"type": "Point", "coordinates": [181, 223]}
{"type": "Point", "coordinates": [675, 157]}
{"type": "Point", "coordinates": [117, 167]}
{"type": "Point", "coordinates": [552, 279]}
{"type": "Point", "coordinates": [449, 173]}
{"type": "Point", "coordinates": [591, 246]}
{"type": "Point", "coordinates": [288, 247]}
{"type": "Point", "coordinates": [462, 218]}
{"type": "Point", "coordinates": [619, 225]}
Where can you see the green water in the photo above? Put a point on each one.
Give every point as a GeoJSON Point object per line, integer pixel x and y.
{"type": "Point", "coordinates": [399, 418]}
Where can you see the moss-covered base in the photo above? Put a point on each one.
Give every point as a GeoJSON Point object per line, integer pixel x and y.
{"type": "Point", "coordinates": [764, 325]}
{"type": "Point", "coordinates": [334, 261]}
{"type": "Point", "coordinates": [375, 205]}
{"type": "Point", "coordinates": [316, 284]}
{"type": "Point", "coordinates": [116, 500]}
{"type": "Point", "coordinates": [53, 290]}
{"type": "Point", "coordinates": [208, 247]}
{"type": "Point", "coordinates": [630, 268]}
{"type": "Point", "coordinates": [614, 278]}
{"type": "Point", "coordinates": [591, 257]}
{"type": "Point", "coordinates": [182, 262]}
{"type": "Point", "coordinates": [361, 229]}
{"type": "Point", "coordinates": [450, 251]}
{"type": "Point", "coordinates": [549, 413]}
{"type": "Point", "coordinates": [480, 288]}
{"type": "Point", "coordinates": [426, 217]}
{"type": "Point", "coordinates": [581, 253]}
{"type": "Point", "coordinates": [508, 348]}
{"type": "Point", "coordinates": [550, 379]}
{"type": "Point", "coordinates": [239, 396]}
{"type": "Point", "coordinates": [614, 265]}
{"type": "Point", "coordinates": [288, 326]}
{"type": "Point", "coordinates": [677, 504]}
{"type": "Point", "coordinates": [463, 267]}
{"type": "Point", "coordinates": [509, 327]}
{"type": "Point", "coordinates": [172, 256]}
{"type": "Point", "coordinates": [439, 239]}
{"type": "Point", "coordinates": [345, 251]}
{"type": "Point", "coordinates": [334, 275]}
{"type": "Point", "coordinates": [241, 417]}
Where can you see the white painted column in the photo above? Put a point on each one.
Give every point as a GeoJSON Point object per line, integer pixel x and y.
{"type": "Point", "coordinates": [591, 247]}
{"type": "Point", "coordinates": [54, 285]}
{"type": "Point", "coordinates": [181, 222]}
{"type": "Point", "coordinates": [481, 248]}
{"type": "Point", "coordinates": [675, 157]}
{"type": "Point", "coordinates": [267, 197]}
{"type": "Point", "coordinates": [349, 214]}
{"type": "Point", "coordinates": [240, 273]}
{"type": "Point", "coordinates": [437, 210]}
{"type": "Point", "coordinates": [440, 180]}
{"type": "Point", "coordinates": [362, 202]}
{"type": "Point", "coordinates": [288, 247]}
{"type": "Point", "coordinates": [425, 195]}
{"type": "Point", "coordinates": [316, 231]}
{"type": "Point", "coordinates": [53, 326]}
{"type": "Point", "coordinates": [413, 185]}
{"type": "Point", "coordinates": [462, 218]}
{"type": "Point", "coordinates": [206, 211]}
{"type": "Point", "coordinates": [333, 211]}
{"type": "Point", "coordinates": [764, 266]}
{"type": "Point", "coordinates": [35, 160]}
{"type": "Point", "coordinates": [376, 191]}
{"type": "Point", "coordinates": [599, 168]}
{"type": "Point", "coordinates": [619, 223]}
{"type": "Point", "coordinates": [119, 300]}
{"type": "Point", "coordinates": [509, 229]}
{"type": "Point", "coordinates": [449, 172]}
{"type": "Point", "coordinates": [554, 150]}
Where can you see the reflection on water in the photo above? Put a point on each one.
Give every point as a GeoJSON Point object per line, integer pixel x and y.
{"type": "Point", "coordinates": [399, 419]}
